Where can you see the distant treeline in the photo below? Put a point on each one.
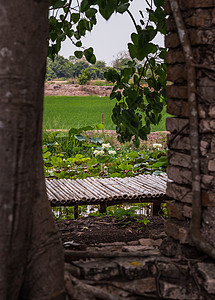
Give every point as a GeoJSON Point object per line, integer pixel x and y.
{"type": "Point", "coordinates": [72, 68]}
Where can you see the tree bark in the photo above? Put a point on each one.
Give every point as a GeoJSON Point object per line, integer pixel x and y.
{"type": "Point", "coordinates": [31, 256]}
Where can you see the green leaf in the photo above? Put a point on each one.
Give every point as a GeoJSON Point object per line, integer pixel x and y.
{"type": "Point", "coordinates": [88, 53]}
{"type": "Point", "coordinates": [78, 44]}
{"type": "Point", "coordinates": [159, 3]}
{"type": "Point", "coordinates": [90, 12]}
{"type": "Point", "coordinates": [122, 8]}
{"type": "Point", "coordinates": [132, 50]}
{"type": "Point", "coordinates": [80, 138]}
{"type": "Point", "coordinates": [99, 126]}
{"type": "Point", "coordinates": [75, 17]}
{"type": "Point", "coordinates": [84, 5]}
{"type": "Point", "coordinates": [57, 3]}
{"type": "Point", "coordinates": [78, 54]}
{"type": "Point", "coordinates": [86, 128]}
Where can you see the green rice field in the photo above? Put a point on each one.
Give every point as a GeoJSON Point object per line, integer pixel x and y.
{"type": "Point", "coordinates": [64, 112]}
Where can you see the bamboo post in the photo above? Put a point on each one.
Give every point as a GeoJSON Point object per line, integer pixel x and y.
{"type": "Point", "coordinates": [103, 207]}
{"type": "Point", "coordinates": [76, 211]}
{"type": "Point", "coordinates": [102, 121]}
{"type": "Point", "coordinates": [156, 207]}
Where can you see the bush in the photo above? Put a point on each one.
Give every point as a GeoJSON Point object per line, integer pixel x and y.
{"type": "Point", "coordinates": [84, 77]}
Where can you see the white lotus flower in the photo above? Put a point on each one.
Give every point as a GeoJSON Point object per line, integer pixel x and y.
{"type": "Point", "coordinates": [113, 152]}
{"type": "Point", "coordinates": [157, 146]}
{"type": "Point", "coordinates": [106, 146]}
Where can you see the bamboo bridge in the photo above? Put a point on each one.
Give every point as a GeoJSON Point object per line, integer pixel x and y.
{"type": "Point", "coordinates": [108, 191]}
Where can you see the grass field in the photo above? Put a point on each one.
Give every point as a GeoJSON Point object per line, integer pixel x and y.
{"type": "Point", "coordinates": [63, 112]}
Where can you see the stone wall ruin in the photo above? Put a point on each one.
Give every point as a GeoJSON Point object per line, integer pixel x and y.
{"type": "Point", "coordinates": [176, 269]}
{"type": "Point", "coordinates": [199, 19]}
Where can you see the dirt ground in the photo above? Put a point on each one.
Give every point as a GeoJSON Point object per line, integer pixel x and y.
{"type": "Point", "coordinates": [94, 230]}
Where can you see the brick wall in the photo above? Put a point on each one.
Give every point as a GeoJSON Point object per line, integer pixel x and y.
{"type": "Point", "coordinates": [199, 19]}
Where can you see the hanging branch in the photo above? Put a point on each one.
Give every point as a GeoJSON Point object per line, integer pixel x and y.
{"type": "Point", "coordinates": [200, 242]}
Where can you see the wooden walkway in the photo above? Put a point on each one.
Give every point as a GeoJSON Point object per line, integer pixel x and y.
{"type": "Point", "coordinates": [108, 191]}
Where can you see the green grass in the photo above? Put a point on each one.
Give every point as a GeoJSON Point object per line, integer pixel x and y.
{"type": "Point", "coordinates": [64, 112]}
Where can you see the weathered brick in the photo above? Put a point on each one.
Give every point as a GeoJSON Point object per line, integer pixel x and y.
{"type": "Point", "coordinates": [206, 276]}
{"type": "Point", "coordinates": [204, 54]}
{"type": "Point", "coordinates": [170, 24]}
{"type": "Point", "coordinates": [172, 40]}
{"type": "Point", "coordinates": [179, 92]}
{"type": "Point", "coordinates": [174, 56]}
{"type": "Point", "coordinates": [179, 192]}
{"type": "Point", "coordinates": [213, 16]}
{"type": "Point", "coordinates": [202, 111]}
{"type": "Point", "coordinates": [179, 159]}
{"type": "Point", "coordinates": [184, 4]}
{"type": "Point", "coordinates": [177, 73]}
{"type": "Point", "coordinates": [179, 143]}
{"type": "Point", "coordinates": [179, 175]}
{"type": "Point", "coordinates": [208, 198]}
{"type": "Point", "coordinates": [174, 210]}
{"type": "Point", "coordinates": [187, 211]}
{"type": "Point", "coordinates": [212, 111]}
{"type": "Point", "coordinates": [201, 37]}
{"type": "Point", "coordinates": [211, 165]}
{"type": "Point", "coordinates": [170, 290]}
{"type": "Point", "coordinates": [181, 108]}
{"type": "Point", "coordinates": [175, 124]}
{"type": "Point", "coordinates": [177, 108]}
{"type": "Point", "coordinates": [208, 224]}
{"type": "Point", "coordinates": [207, 93]}
{"type": "Point", "coordinates": [174, 229]}
{"type": "Point", "coordinates": [208, 182]}
{"type": "Point", "coordinates": [213, 144]}
{"type": "Point", "coordinates": [204, 146]}
{"type": "Point", "coordinates": [200, 18]}
{"type": "Point", "coordinates": [205, 82]}
{"type": "Point", "coordinates": [207, 126]}
{"type": "Point", "coordinates": [171, 270]}
{"type": "Point", "coordinates": [204, 165]}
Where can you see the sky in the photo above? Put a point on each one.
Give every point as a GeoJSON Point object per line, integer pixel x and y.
{"type": "Point", "coordinates": [108, 38]}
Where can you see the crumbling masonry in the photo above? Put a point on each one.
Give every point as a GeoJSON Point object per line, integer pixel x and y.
{"type": "Point", "coordinates": [183, 267]}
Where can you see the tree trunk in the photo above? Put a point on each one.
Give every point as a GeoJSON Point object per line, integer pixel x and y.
{"type": "Point", "coordinates": [31, 256]}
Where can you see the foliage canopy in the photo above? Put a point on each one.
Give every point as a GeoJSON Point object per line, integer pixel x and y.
{"type": "Point", "coordinates": [140, 86]}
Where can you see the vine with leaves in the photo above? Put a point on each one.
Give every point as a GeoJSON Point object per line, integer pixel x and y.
{"type": "Point", "coordinates": [140, 87]}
